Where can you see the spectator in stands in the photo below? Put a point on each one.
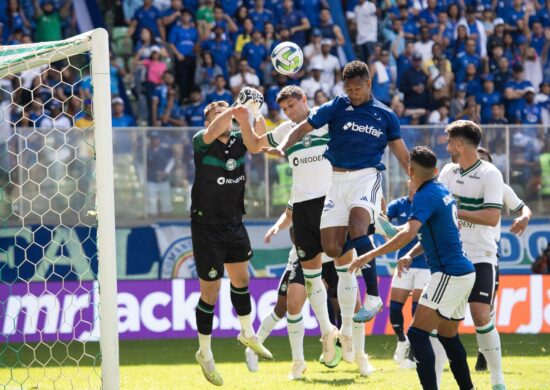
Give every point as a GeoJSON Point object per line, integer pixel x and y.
{"type": "Point", "coordinates": [205, 19]}
{"type": "Point", "coordinates": [428, 16]}
{"type": "Point", "coordinates": [194, 112]}
{"type": "Point", "coordinates": [147, 16]}
{"type": "Point", "coordinates": [55, 118]}
{"type": "Point", "coordinates": [219, 92]}
{"type": "Point", "coordinates": [320, 98]}
{"type": "Point", "coordinates": [163, 99]}
{"type": "Point", "coordinates": [49, 21]}
{"type": "Point", "coordinates": [145, 43]}
{"type": "Point", "coordinates": [491, 65]}
{"type": "Point", "coordinates": [117, 70]}
{"type": "Point", "coordinates": [222, 19]}
{"type": "Point", "coordinates": [543, 99]}
{"type": "Point", "coordinates": [466, 57]}
{"type": "Point", "coordinates": [424, 46]}
{"type": "Point", "coordinates": [155, 68]}
{"type": "Point", "coordinates": [330, 63]}
{"type": "Point", "coordinates": [440, 116]}
{"type": "Point", "coordinates": [459, 101]}
{"type": "Point", "coordinates": [183, 39]}
{"type": "Point", "coordinates": [533, 67]}
{"type": "Point", "coordinates": [260, 15]}
{"type": "Point", "coordinates": [497, 115]}
{"type": "Point", "coordinates": [15, 23]}
{"type": "Point", "coordinates": [314, 82]}
{"type": "Point", "coordinates": [403, 61]}
{"type": "Point", "coordinates": [413, 84]}
{"type": "Point", "coordinates": [313, 48]}
{"type": "Point", "coordinates": [244, 37]}
{"type": "Point", "coordinates": [329, 29]}
{"type": "Point", "coordinates": [256, 54]}
{"type": "Point", "coordinates": [476, 31]}
{"type": "Point", "coordinates": [160, 163]}
{"type": "Point", "coordinates": [441, 79]}
{"type": "Point", "coordinates": [312, 9]}
{"type": "Point", "coordinates": [535, 37]}
{"type": "Point", "coordinates": [245, 77]}
{"type": "Point", "coordinates": [514, 93]}
{"type": "Point", "coordinates": [119, 117]}
{"type": "Point", "coordinates": [207, 73]}
{"type": "Point", "coordinates": [367, 28]}
{"type": "Point", "coordinates": [172, 15]}
{"type": "Point", "coordinates": [297, 23]}
{"type": "Point", "coordinates": [383, 80]}
{"type": "Point", "coordinates": [472, 81]}
{"type": "Point", "coordinates": [497, 38]}
{"type": "Point", "coordinates": [531, 112]}
{"type": "Point", "coordinates": [488, 98]}
{"type": "Point", "coordinates": [502, 75]}
{"type": "Point", "coordinates": [444, 32]}
{"type": "Point", "coordinates": [221, 49]}
{"type": "Point", "coordinates": [399, 108]}
{"type": "Point", "coordinates": [471, 110]}
{"type": "Point", "coordinates": [270, 38]}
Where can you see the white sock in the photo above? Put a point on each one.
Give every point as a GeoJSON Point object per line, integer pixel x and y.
{"type": "Point", "coordinates": [246, 325]}
{"type": "Point", "coordinates": [267, 325]}
{"type": "Point", "coordinates": [317, 294]}
{"type": "Point", "coordinates": [347, 296]}
{"type": "Point", "coordinates": [295, 328]}
{"type": "Point", "coordinates": [488, 341]}
{"type": "Point", "coordinates": [440, 357]}
{"type": "Point", "coordinates": [359, 338]}
{"type": "Point", "coordinates": [204, 346]}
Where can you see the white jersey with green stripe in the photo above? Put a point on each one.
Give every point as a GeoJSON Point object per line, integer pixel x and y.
{"type": "Point", "coordinates": [511, 201]}
{"type": "Point", "coordinates": [311, 172]}
{"type": "Point", "coordinates": [476, 188]}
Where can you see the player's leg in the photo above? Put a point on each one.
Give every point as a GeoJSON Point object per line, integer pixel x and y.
{"type": "Point", "coordinates": [488, 339]}
{"type": "Point", "coordinates": [440, 356]}
{"type": "Point", "coordinates": [361, 358]}
{"type": "Point", "coordinates": [209, 256]}
{"type": "Point", "coordinates": [306, 219]}
{"type": "Point", "coordinates": [296, 297]}
{"type": "Point", "coordinates": [481, 363]}
{"type": "Point", "coordinates": [400, 290]}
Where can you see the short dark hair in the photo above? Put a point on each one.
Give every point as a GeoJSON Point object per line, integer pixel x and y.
{"type": "Point", "coordinates": [423, 156]}
{"type": "Point", "coordinates": [356, 69]}
{"type": "Point", "coordinates": [467, 130]}
{"type": "Point", "coordinates": [486, 152]}
{"type": "Point", "coordinates": [290, 91]}
{"type": "Point", "coordinates": [209, 108]}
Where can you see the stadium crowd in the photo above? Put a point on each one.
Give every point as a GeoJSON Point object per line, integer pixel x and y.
{"type": "Point", "coordinates": [431, 62]}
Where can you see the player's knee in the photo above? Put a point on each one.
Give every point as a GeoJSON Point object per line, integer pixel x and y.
{"type": "Point", "coordinates": [293, 307]}
{"type": "Point", "coordinates": [481, 317]}
{"type": "Point", "coordinates": [359, 226]}
{"type": "Point", "coordinates": [240, 281]}
{"type": "Point", "coordinates": [332, 249]}
{"type": "Point", "coordinates": [210, 294]}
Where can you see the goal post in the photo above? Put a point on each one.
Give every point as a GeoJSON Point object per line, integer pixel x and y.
{"type": "Point", "coordinates": [58, 288]}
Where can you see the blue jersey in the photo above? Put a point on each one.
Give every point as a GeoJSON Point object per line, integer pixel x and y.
{"type": "Point", "coordinates": [358, 134]}
{"type": "Point", "coordinates": [400, 209]}
{"type": "Point", "coordinates": [435, 208]}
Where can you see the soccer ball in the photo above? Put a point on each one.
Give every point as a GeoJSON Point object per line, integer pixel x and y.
{"type": "Point", "coordinates": [287, 58]}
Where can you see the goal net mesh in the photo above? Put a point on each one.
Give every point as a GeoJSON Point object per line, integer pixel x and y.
{"type": "Point", "coordinates": [49, 305]}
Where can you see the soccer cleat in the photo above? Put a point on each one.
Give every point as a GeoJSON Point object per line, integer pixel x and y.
{"type": "Point", "coordinates": [251, 360]}
{"type": "Point", "coordinates": [481, 363]}
{"type": "Point", "coordinates": [407, 364]}
{"type": "Point", "coordinates": [401, 351]}
{"type": "Point", "coordinates": [348, 353]}
{"type": "Point", "coordinates": [329, 344]}
{"type": "Point", "coordinates": [209, 369]}
{"type": "Point", "coordinates": [499, 386]}
{"type": "Point", "coordinates": [337, 358]}
{"type": "Point", "coordinates": [298, 369]}
{"type": "Point", "coordinates": [363, 364]}
{"type": "Point", "coordinates": [373, 305]}
{"type": "Point", "coordinates": [255, 345]}
{"type": "Point", "coordinates": [384, 227]}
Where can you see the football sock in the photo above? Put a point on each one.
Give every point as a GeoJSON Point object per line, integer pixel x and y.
{"type": "Point", "coordinates": [440, 357]}
{"type": "Point", "coordinates": [267, 325]}
{"type": "Point", "coordinates": [204, 315]}
{"type": "Point", "coordinates": [359, 338]}
{"type": "Point", "coordinates": [457, 358]}
{"type": "Point", "coordinates": [317, 294]}
{"type": "Point", "coordinates": [396, 319]}
{"type": "Point", "coordinates": [240, 298]}
{"type": "Point", "coordinates": [488, 341]}
{"type": "Point", "coordinates": [363, 245]}
{"type": "Point", "coordinates": [347, 297]}
{"type": "Point", "coordinates": [425, 358]}
{"type": "Point", "coordinates": [295, 328]}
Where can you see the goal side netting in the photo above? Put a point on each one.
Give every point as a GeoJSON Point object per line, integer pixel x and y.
{"type": "Point", "coordinates": [58, 319]}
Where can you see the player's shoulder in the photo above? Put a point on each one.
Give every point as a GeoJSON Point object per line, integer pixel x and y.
{"type": "Point", "coordinates": [449, 169]}
{"type": "Point", "coordinates": [488, 169]}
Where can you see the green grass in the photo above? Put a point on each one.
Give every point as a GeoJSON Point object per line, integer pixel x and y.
{"type": "Point", "coordinates": [170, 364]}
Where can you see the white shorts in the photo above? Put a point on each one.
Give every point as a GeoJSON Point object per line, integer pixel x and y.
{"type": "Point", "coordinates": [362, 188]}
{"type": "Point", "coordinates": [413, 279]}
{"type": "Point", "coordinates": [448, 295]}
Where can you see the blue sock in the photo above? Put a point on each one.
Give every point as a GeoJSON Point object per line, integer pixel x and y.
{"type": "Point", "coordinates": [414, 305]}
{"type": "Point", "coordinates": [362, 245]}
{"type": "Point", "coordinates": [425, 357]}
{"type": "Point", "coordinates": [348, 245]}
{"type": "Point", "coordinates": [396, 319]}
{"type": "Point", "coordinates": [457, 360]}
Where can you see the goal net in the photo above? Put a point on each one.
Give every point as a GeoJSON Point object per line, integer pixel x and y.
{"type": "Point", "coordinates": [58, 321]}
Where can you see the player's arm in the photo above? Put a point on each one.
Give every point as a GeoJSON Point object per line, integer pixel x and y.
{"type": "Point", "coordinates": [489, 215]}
{"type": "Point", "coordinates": [294, 136]}
{"type": "Point", "coordinates": [260, 127]}
{"type": "Point", "coordinates": [400, 151]}
{"type": "Point", "coordinates": [253, 142]}
{"type": "Point", "coordinates": [284, 222]}
{"type": "Point", "coordinates": [405, 235]}
{"type": "Point", "coordinates": [218, 126]}
{"type": "Point", "coordinates": [516, 205]}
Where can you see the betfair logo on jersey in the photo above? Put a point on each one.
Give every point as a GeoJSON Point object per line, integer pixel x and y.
{"type": "Point", "coordinates": [306, 141]}
{"type": "Point", "coordinates": [231, 164]}
{"type": "Point", "coordinates": [307, 160]}
{"type": "Point", "coordinates": [224, 180]}
{"type": "Point", "coordinates": [363, 129]}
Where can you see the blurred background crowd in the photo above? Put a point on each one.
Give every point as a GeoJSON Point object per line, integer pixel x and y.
{"type": "Point", "coordinates": [431, 61]}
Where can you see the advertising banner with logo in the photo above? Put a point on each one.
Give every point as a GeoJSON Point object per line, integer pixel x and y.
{"type": "Point", "coordinates": [166, 309]}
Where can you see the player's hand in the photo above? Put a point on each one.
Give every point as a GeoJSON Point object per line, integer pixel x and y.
{"type": "Point", "coordinates": [273, 151]}
{"type": "Point", "coordinates": [252, 99]}
{"type": "Point", "coordinates": [519, 225]}
{"type": "Point", "coordinates": [240, 113]}
{"type": "Point", "coordinates": [403, 264]}
{"type": "Point", "coordinates": [360, 262]}
{"type": "Point", "coordinates": [273, 230]}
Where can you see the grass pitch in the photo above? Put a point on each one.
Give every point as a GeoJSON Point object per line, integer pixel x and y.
{"type": "Point", "coordinates": [170, 364]}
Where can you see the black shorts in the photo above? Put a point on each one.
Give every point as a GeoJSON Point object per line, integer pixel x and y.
{"type": "Point", "coordinates": [486, 284]}
{"type": "Point", "coordinates": [217, 244]}
{"type": "Point", "coordinates": [306, 219]}
{"type": "Point", "coordinates": [296, 275]}
{"type": "Point", "coordinates": [283, 284]}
